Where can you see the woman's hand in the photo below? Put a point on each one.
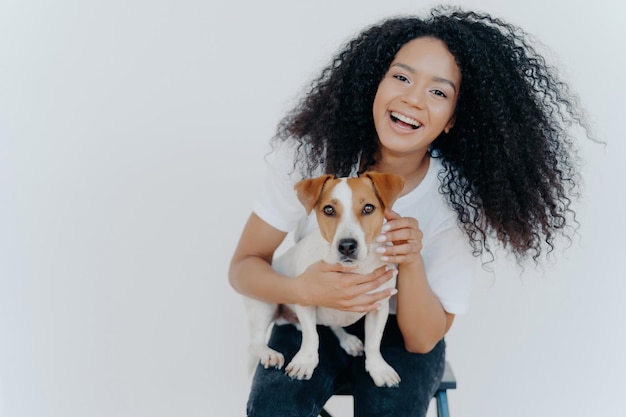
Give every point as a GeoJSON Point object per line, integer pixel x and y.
{"type": "Point", "coordinates": [335, 286]}
{"type": "Point", "coordinates": [405, 235]}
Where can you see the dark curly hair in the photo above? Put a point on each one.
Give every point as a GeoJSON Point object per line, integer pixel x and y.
{"type": "Point", "coordinates": [510, 164]}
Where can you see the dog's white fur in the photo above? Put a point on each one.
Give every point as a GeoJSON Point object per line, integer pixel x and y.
{"type": "Point", "coordinates": [349, 212]}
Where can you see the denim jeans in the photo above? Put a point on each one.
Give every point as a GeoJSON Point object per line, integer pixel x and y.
{"type": "Point", "coordinates": [274, 394]}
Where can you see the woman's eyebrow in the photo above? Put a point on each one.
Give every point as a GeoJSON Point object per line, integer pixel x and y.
{"type": "Point", "coordinates": [413, 71]}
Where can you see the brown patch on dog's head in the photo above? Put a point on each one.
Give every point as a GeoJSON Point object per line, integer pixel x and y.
{"type": "Point", "coordinates": [387, 186]}
{"type": "Point", "coordinates": [310, 190]}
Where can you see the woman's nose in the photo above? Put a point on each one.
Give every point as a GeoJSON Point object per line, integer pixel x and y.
{"type": "Point", "coordinates": [414, 97]}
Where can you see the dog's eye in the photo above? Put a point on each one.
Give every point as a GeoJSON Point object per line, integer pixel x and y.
{"type": "Point", "coordinates": [329, 210]}
{"type": "Point", "coordinates": [368, 209]}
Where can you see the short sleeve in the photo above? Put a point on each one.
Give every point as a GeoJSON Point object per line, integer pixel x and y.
{"type": "Point", "coordinates": [276, 202]}
{"type": "Point", "coordinates": [450, 267]}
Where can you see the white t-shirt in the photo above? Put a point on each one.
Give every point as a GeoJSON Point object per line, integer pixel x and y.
{"type": "Point", "coordinates": [447, 254]}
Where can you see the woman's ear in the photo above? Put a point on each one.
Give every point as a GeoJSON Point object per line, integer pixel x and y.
{"type": "Point", "coordinates": [449, 125]}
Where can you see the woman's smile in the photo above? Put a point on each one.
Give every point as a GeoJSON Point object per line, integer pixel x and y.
{"type": "Point", "coordinates": [404, 121]}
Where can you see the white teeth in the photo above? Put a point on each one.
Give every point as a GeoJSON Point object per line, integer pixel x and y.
{"type": "Point", "coordinates": [406, 119]}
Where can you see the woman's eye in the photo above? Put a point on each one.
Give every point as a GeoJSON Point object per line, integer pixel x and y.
{"type": "Point", "coordinates": [439, 93]}
{"type": "Point", "coordinates": [329, 210]}
{"type": "Point", "coordinates": [401, 78]}
{"type": "Point", "coordinates": [368, 209]}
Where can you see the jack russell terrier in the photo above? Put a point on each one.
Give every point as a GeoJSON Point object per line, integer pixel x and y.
{"type": "Point", "coordinates": [350, 214]}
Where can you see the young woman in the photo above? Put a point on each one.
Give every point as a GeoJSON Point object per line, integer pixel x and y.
{"type": "Point", "coordinates": [462, 107]}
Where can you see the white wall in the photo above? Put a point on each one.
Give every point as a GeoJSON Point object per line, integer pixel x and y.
{"type": "Point", "coordinates": [132, 135]}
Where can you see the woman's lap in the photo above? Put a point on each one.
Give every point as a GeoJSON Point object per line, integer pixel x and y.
{"type": "Point", "coordinates": [275, 394]}
{"type": "Point", "coordinates": [420, 374]}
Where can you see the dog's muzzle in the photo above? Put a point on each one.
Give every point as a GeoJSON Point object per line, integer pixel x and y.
{"type": "Point", "coordinates": [348, 250]}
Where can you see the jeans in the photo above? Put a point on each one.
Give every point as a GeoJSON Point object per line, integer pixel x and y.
{"type": "Point", "coordinates": [274, 394]}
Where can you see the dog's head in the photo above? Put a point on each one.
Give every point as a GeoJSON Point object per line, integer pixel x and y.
{"type": "Point", "coordinates": [350, 211]}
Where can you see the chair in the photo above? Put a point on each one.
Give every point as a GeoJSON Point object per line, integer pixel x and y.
{"type": "Point", "coordinates": [448, 381]}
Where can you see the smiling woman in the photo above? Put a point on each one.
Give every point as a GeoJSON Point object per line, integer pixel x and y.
{"type": "Point", "coordinates": [462, 107]}
{"type": "Point", "coordinates": [133, 138]}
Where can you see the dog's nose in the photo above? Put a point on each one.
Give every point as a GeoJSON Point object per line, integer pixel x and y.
{"type": "Point", "coordinates": [347, 247]}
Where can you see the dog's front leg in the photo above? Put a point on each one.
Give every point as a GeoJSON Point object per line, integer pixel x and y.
{"type": "Point", "coordinates": [260, 316]}
{"type": "Point", "coordinates": [380, 371]}
{"type": "Point", "coordinates": [305, 361]}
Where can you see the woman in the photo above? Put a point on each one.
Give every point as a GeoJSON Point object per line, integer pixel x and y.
{"type": "Point", "coordinates": [463, 108]}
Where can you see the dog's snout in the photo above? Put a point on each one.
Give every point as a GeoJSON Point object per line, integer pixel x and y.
{"type": "Point", "coordinates": [347, 247]}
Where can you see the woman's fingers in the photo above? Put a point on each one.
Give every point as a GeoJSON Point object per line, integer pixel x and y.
{"type": "Point", "coordinates": [400, 240]}
{"type": "Point", "coordinates": [362, 283]}
{"type": "Point", "coordinates": [406, 228]}
{"type": "Point", "coordinates": [367, 302]}
{"type": "Point", "coordinates": [361, 295]}
{"type": "Point", "coordinates": [346, 290]}
{"type": "Point", "coordinates": [401, 253]}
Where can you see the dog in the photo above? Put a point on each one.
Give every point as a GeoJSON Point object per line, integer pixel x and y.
{"type": "Point", "coordinates": [350, 215]}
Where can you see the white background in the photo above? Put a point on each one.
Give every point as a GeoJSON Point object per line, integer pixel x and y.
{"type": "Point", "coordinates": [132, 136]}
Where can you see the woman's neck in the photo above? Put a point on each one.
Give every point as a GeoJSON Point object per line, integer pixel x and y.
{"type": "Point", "coordinates": [413, 170]}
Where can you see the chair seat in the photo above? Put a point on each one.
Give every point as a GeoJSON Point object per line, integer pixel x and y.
{"type": "Point", "coordinates": [448, 381]}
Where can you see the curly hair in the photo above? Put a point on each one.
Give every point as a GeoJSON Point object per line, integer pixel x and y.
{"type": "Point", "coordinates": [510, 167]}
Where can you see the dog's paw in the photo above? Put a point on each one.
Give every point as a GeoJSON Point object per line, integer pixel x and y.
{"type": "Point", "coordinates": [302, 366]}
{"type": "Point", "coordinates": [382, 373]}
{"type": "Point", "coordinates": [269, 358]}
{"type": "Point", "coordinates": [351, 344]}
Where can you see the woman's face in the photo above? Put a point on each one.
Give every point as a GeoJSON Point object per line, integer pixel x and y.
{"type": "Point", "coordinates": [416, 99]}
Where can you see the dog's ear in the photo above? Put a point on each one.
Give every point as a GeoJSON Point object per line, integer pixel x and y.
{"type": "Point", "coordinates": [309, 191]}
{"type": "Point", "coordinates": [387, 186]}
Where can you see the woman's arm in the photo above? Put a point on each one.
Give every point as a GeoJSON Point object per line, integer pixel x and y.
{"type": "Point", "coordinates": [321, 284]}
{"type": "Point", "coordinates": [250, 271]}
{"type": "Point", "coordinates": [421, 317]}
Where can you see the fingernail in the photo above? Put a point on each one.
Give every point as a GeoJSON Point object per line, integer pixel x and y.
{"type": "Point", "coordinates": [384, 258]}
{"type": "Point", "coordinates": [394, 291]}
{"type": "Point", "coordinates": [381, 238]}
{"type": "Point", "coordinates": [380, 249]}
{"type": "Point", "coordinates": [386, 228]}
